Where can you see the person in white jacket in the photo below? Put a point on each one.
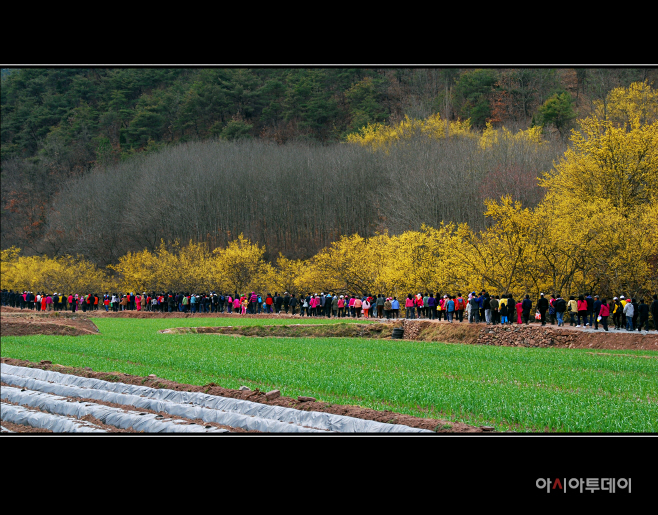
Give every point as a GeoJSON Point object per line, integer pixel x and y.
{"type": "Point", "coordinates": [629, 310]}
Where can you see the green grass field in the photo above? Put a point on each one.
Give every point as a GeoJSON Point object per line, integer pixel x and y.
{"type": "Point", "coordinates": [524, 389]}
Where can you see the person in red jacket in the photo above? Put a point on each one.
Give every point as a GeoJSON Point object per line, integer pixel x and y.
{"type": "Point", "coordinates": [460, 306]}
{"type": "Point", "coordinates": [604, 313]}
{"type": "Point", "coordinates": [582, 310]}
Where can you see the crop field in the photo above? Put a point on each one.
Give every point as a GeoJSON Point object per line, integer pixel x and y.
{"type": "Point", "coordinates": [510, 388]}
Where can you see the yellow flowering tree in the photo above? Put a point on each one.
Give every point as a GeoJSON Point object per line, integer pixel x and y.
{"type": "Point", "coordinates": [293, 276]}
{"type": "Point", "coordinates": [502, 257]}
{"type": "Point", "coordinates": [354, 264]}
{"type": "Point", "coordinates": [636, 104]}
{"type": "Point", "coordinates": [8, 262]}
{"type": "Point", "coordinates": [62, 274]}
{"type": "Point", "coordinates": [240, 266]}
{"type": "Point", "coordinates": [379, 136]}
{"type": "Point", "coordinates": [137, 271]}
{"type": "Point", "coordinates": [422, 261]}
{"type": "Point", "coordinates": [188, 269]}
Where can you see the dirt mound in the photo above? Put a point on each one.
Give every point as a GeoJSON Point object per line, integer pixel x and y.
{"type": "Point", "coordinates": [429, 330]}
{"type": "Point", "coordinates": [533, 335]}
{"type": "Point", "coordinates": [437, 425]}
{"type": "Point", "coordinates": [24, 324]}
{"type": "Point", "coordinates": [516, 335]}
{"type": "Point", "coordinates": [529, 336]}
{"type": "Point", "coordinates": [343, 330]}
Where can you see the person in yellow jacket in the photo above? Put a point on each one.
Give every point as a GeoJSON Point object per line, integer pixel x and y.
{"type": "Point", "coordinates": [572, 308]}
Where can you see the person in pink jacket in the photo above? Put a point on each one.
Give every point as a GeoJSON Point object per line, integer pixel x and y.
{"type": "Point", "coordinates": [350, 305]}
{"type": "Point", "coordinates": [366, 307]}
{"type": "Point", "coordinates": [409, 306]}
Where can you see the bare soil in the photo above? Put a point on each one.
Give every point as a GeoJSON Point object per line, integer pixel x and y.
{"type": "Point", "coordinates": [17, 322]}
{"type": "Point", "coordinates": [18, 428]}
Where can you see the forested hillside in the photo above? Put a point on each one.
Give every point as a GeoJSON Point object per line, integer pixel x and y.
{"type": "Point", "coordinates": [104, 161]}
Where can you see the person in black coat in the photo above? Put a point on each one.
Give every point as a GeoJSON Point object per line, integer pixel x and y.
{"type": "Point", "coordinates": [486, 306]}
{"type": "Point", "coordinates": [503, 313]}
{"type": "Point", "coordinates": [526, 306]}
{"type": "Point", "coordinates": [511, 308]}
{"type": "Point", "coordinates": [560, 308]}
{"type": "Point", "coordinates": [654, 311]}
{"type": "Point", "coordinates": [590, 308]}
{"type": "Point", "coordinates": [643, 315]}
{"type": "Point", "coordinates": [597, 310]}
{"type": "Point", "coordinates": [542, 306]}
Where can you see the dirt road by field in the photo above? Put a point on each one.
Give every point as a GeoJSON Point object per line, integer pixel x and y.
{"type": "Point", "coordinates": [17, 322]}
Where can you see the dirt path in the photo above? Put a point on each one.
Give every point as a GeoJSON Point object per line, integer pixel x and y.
{"type": "Point", "coordinates": [17, 322]}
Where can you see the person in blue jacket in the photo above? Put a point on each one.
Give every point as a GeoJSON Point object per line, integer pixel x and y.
{"type": "Point", "coordinates": [450, 308]}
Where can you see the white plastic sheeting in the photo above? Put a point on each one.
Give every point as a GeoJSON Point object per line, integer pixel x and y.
{"type": "Point", "coordinates": [172, 408]}
{"type": "Point", "coordinates": [56, 423]}
{"type": "Point", "coordinates": [139, 421]}
{"type": "Point", "coordinates": [261, 417]}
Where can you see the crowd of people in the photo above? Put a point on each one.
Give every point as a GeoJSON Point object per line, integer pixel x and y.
{"type": "Point", "coordinates": [585, 311]}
